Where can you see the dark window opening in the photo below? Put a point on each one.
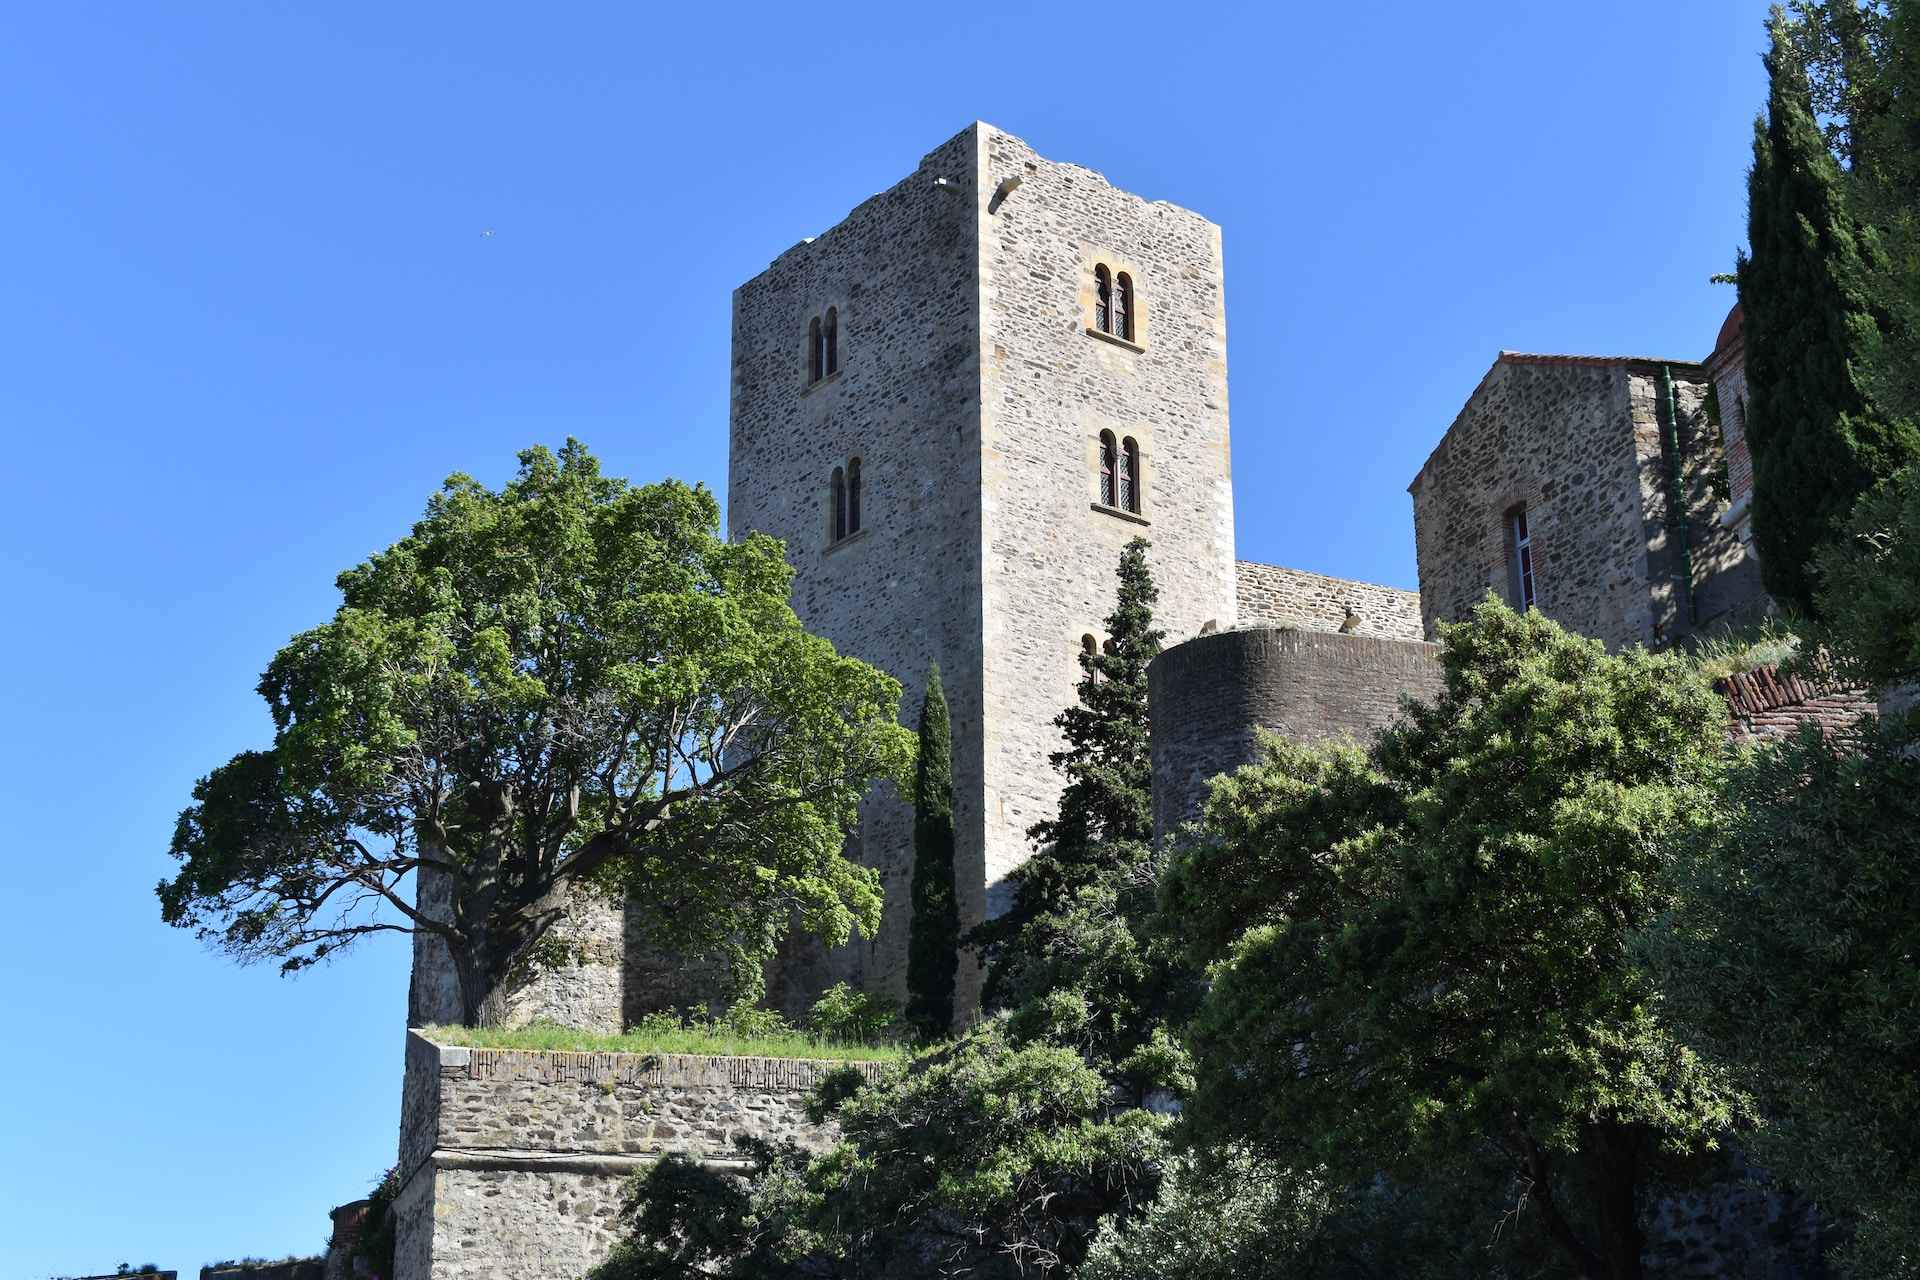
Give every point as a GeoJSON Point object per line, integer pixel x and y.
{"type": "Point", "coordinates": [839, 498]}
{"type": "Point", "coordinates": [1129, 486]}
{"type": "Point", "coordinates": [1103, 299]}
{"type": "Point", "coordinates": [1520, 558]}
{"type": "Point", "coordinates": [1109, 467]}
{"type": "Point", "coordinates": [853, 497]}
{"type": "Point", "coordinates": [1123, 307]}
{"type": "Point", "coordinates": [833, 340]}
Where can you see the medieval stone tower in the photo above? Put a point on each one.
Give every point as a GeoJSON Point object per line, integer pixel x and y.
{"type": "Point", "coordinates": [955, 407]}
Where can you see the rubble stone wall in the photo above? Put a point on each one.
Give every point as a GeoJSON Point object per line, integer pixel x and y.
{"type": "Point", "coordinates": [511, 1161]}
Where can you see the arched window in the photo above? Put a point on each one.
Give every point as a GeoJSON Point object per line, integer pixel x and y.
{"type": "Point", "coordinates": [833, 339]}
{"type": "Point", "coordinates": [1123, 307]}
{"type": "Point", "coordinates": [853, 494]}
{"type": "Point", "coordinates": [839, 490]}
{"type": "Point", "coordinates": [1103, 299]}
{"type": "Point", "coordinates": [816, 351]}
{"type": "Point", "coordinates": [1109, 467]}
{"type": "Point", "coordinates": [1127, 484]}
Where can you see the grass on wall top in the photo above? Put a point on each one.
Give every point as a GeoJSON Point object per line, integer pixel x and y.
{"type": "Point", "coordinates": [704, 1041]}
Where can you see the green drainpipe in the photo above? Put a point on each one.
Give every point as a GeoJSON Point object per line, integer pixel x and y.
{"type": "Point", "coordinates": [1676, 495]}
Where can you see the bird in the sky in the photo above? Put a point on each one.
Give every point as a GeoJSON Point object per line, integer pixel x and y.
{"type": "Point", "coordinates": [487, 234]}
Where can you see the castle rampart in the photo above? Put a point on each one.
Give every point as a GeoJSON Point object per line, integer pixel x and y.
{"type": "Point", "coordinates": [1210, 697]}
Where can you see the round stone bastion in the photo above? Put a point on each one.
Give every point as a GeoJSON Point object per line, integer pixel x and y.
{"type": "Point", "coordinates": [1209, 696]}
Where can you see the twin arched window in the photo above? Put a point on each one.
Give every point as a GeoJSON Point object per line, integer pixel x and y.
{"type": "Point", "coordinates": [845, 492]}
{"type": "Point", "coordinates": [1113, 302]}
{"type": "Point", "coordinates": [823, 345]}
{"type": "Point", "coordinates": [1119, 473]}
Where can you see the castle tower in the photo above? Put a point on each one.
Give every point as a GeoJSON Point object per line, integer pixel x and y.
{"type": "Point", "coordinates": [955, 407]}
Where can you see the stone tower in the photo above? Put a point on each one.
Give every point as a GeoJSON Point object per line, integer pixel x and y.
{"type": "Point", "coordinates": [924, 399]}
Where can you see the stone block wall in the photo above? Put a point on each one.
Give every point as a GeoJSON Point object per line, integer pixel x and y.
{"type": "Point", "coordinates": [511, 1161]}
{"type": "Point", "coordinates": [1609, 484]}
{"type": "Point", "coordinates": [1210, 696]}
{"type": "Point", "coordinates": [1271, 596]}
{"type": "Point", "coordinates": [597, 969]}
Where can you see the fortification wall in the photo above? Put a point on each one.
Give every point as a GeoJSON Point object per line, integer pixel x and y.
{"type": "Point", "coordinates": [511, 1161]}
{"type": "Point", "coordinates": [1271, 596]}
{"type": "Point", "coordinates": [1209, 697]}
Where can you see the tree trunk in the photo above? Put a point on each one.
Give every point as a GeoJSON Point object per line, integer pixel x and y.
{"type": "Point", "coordinates": [1612, 1157]}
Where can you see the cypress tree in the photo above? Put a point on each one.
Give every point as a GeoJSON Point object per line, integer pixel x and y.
{"type": "Point", "coordinates": [1818, 441]}
{"type": "Point", "coordinates": [1105, 818]}
{"type": "Point", "coordinates": [933, 954]}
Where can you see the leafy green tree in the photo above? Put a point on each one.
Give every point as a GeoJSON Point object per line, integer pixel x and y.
{"type": "Point", "coordinates": [1789, 956]}
{"type": "Point", "coordinates": [568, 682]}
{"type": "Point", "coordinates": [933, 956]}
{"type": "Point", "coordinates": [1419, 952]}
{"type": "Point", "coordinates": [1811, 323]}
{"type": "Point", "coordinates": [1869, 590]}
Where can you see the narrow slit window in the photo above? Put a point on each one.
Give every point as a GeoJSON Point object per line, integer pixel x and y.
{"type": "Point", "coordinates": [1520, 557]}
{"type": "Point", "coordinates": [1103, 299]}
{"type": "Point", "coordinates": [854, 484]}
{"type": "Point", "coordinates": [833, 341]}
{"type": "Point", "coordinates": [839, 501]}
{"type": "Point", "coordinates": [1109, 467]}
{"type": "Point", "coordinates": [1123, 307]}
{"type": "Point", "coordinates": [1129, 479]}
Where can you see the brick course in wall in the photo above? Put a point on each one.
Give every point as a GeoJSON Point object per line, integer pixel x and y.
{"type": "Point", "coordinates": [511, 1161]}
{"type": "Point", "coordinates": [1767, 705]}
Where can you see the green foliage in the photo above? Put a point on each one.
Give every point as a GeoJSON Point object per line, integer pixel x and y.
{"type": "Point", "coordinates": [846, 1016]}
{"type": "Point", "coordinates": [1723, 651]}
{"type": "Point", "coordinates": [1078, 958]}
{"type": "Point", "coordinates": [1870, 587]}
{"type": "Point", "coordinates": [1811, 324]}
{"type": "Point", "coordinates": [1227, 1215]}
{"type": "Point", "coordinates": [1789, 955]}
{"type": "Point", "coordinates": [570, 681]}
{"type": "Point", "coordinates": [1421, 951]}
{"type": "Point", "coordinates": [933, 955]}
{"type": "Point", "coordinates": [376, 1243]}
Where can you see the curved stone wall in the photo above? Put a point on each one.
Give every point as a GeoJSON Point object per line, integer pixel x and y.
{"type": "Point", "coordinates": [1209, 695]}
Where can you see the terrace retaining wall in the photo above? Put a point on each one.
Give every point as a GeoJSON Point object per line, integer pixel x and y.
{"type": "Point", "coordinates": [511, 1161]}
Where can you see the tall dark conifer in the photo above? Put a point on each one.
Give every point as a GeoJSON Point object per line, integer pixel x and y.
{"type": "Point", "coordinates": [1818, 441]}
{"type": "Point", "coordinates": [933, 954]}
{"type": "Point", "coordinates": [1105, 819]}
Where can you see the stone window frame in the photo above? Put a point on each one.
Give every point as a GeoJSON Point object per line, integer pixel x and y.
{"type": "Point", "coordinates": [1122, 435]}
{"type": "Point", "coordinates": [822, 349]}
{"type": "Point", "coordinates": [1118, 267]}
{"type": "Point", "coordinates": [846, 505]}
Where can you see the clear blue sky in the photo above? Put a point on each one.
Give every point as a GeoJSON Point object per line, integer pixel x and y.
{"type": "Point", "coordinates": [248, 320]}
